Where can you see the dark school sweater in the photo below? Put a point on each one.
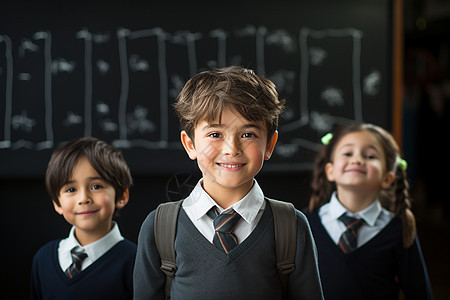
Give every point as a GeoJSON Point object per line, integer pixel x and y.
{"type": "Point", "coordinates": [247, 272]}
{"type": "Point", "coordinates": [376, 270]}
{"type": "Point", "coordinates": [109, 277]}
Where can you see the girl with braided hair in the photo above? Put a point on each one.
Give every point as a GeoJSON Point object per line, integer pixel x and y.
{"type": "Point", "coordinates": [361, 220]}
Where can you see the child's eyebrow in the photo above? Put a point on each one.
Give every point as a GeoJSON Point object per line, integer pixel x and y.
{"type": "Point", "coordinates": [216, 125]}
{"type": "Point", "coordinates": [89, 178]}
{"type": "Point", "coordinates": [372, 147]}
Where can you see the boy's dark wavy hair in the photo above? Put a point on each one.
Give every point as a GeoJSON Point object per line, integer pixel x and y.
{"type": "Point", "coordinates": [107, 160]}
{"type": "Point", "coordinates": [396, 198]}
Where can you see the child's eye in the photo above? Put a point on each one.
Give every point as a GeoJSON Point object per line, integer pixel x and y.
{"type": "Point", "coordinates": [214, 135]}
{"type": "Point", "coordinates": [70, 190]}
{"type": "Point", "coordinates": [249, 135]}
{"type": "Point", "coordinates": [96, 187]}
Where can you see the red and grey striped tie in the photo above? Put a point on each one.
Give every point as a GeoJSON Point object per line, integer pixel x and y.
{"type": "Point", "coordinates": [78, 255]}
{"type": "Point", "coordinates": [224, 225]}
{"type": "Point", "coordinates": [347, 241]}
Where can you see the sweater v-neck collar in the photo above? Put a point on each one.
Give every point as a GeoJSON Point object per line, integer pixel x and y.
{"type": "Point", "coordinates": [79, 276]}
{"type": "Point", "coordinates": [357, 250]}
{"type": "Point", "coordinates": [190, 228]}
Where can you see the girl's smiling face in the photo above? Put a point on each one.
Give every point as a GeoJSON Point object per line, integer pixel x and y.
{"type": "Point", "coordinates": [229, 153]}
{"type": "Point", "coordinates": [358, 161]}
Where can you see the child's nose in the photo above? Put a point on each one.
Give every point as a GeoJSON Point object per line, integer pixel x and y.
{"type": "Point", "coordinates": [232, 146]}
{"type": "Point", "coordinates": [357, 158]}
{"type": "Point", "coordinates": [85, 197]}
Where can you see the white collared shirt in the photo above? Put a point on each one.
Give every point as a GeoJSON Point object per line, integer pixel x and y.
{"type": "Point", "coordinates": [251, 208]}
{"type": "Point", "coordinates": [375, 216]}
{"type": "Point", "coordinates": [94, 250]}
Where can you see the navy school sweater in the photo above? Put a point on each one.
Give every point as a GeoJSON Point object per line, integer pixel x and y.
{"type": "Point", "coordinates": [247, 272]}
{"type": "Point", "coordinates": [109, 277]}
{"type": "Point", "coordinates": [376, 270]}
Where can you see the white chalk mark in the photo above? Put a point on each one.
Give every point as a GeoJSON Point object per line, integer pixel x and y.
{"type": "Point", "coordinates": [6, 142]}
{"type": "Point", "coordinates": [122, 33]}
{"type": "Point", "coordinates": [318, 56]}
{"type": "Point", "coordinates": [221, 36]}
{"type": "Point", "coordinates": [371, 83]}
{"type": "Point", "coordinates": [47, 37]}
{"type": "Point", "coordinates": [87, 38]}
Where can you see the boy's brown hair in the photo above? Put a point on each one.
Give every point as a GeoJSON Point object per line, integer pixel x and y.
{"type": "Point", "coordinates": [107, 160]}
{"type": "Point", "coordinates": [206, 94]}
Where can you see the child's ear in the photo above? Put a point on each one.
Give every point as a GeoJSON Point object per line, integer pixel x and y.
{"type": "Point", "coordinates": [329, 169]}
{"type": "Point", "coordinates": [271, 145]}
{"type": "Point", "coordinates": [58, 208]}
{"type": "Point", "coordinates": [388, 180]}
{"type": "Point", "coordinates": [188, 145]}
{"type": "Point", "coordinates": [123, 200]}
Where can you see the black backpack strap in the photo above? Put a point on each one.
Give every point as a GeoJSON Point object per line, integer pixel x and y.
{"type": "Point", "coordinates": [165, 229]}
{"type": "Point", "coordinates": [285, 227]}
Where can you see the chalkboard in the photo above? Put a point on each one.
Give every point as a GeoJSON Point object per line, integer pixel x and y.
{"type": "Point", "coordinates": [114, 70]}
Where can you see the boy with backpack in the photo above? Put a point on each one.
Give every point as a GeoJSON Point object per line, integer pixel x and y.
{"type": "Point", "coordinates": [226, 242]}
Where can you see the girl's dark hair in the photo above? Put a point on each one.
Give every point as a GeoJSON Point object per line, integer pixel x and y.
{"type": "Point", "coordinates": [396, 198]}
{"type": "Point", "coordinates": [107, 160]}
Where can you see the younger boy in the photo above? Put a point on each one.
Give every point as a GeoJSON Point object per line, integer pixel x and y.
{"type": "Point", "coordinates": [88, 181]}
{"type": "Point", "coordinates": [229, 119]}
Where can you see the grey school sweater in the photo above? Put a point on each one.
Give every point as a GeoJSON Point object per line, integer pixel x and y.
{"type": "Point", "coordinates": [247, 272]}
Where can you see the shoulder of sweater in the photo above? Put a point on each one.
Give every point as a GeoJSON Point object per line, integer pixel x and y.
{"type": "Point", "coordinates": [48, 247]}
{"type": "Point", "coordinates": [147, 226]}
{"type": "Point", "coordinates": [127, 244]}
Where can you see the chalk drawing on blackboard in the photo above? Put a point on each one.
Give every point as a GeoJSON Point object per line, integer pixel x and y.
{"type": "Point", "coordinates": [5, 142]}
{"type": "Point", "coordinates": [138, 121]}
{"type": "Point", "coordinates": [103, 66]}
{"type": "Point", "coordinates": [282, 39]}
{"type": "Point", "coordinates": [188, 39]}
{"type": "Point", "coordinates": [61, 65]}
{"type": "Point", "coordinates": [22, 121]}
{"type": "Point", "coordinates": [333, 96]}
{"type": "Point", "coordinates": [122, 35]}
{"type": "Point", "coordinates": [27, 45]}
{"type": "Point", "coordinates": [24, 76]}
{"type": "Point", "coordinates": [371, 83]}
{"type": "Point", "coordinates": [48, 111]}
{"type": "Point", "coordinates": [72, 119]}
{"type": "Point", "coordinates": [138, 64]}
{"type": "Point", "coordinates": [259, 33]}
{"type": "Point", "coordinates": [316, 56]}
{"type": "Point", "coordinates": [221, 36]}
{"type": "Point", "coordinates": [135, 120]}
{"type": "Point", "coordinates": [86, 37]}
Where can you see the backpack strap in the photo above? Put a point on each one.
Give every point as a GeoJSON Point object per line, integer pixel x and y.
{"type": "Point", "coordinates": [285, 227]}
{"type": "Point", "coordinates": [165, 228]}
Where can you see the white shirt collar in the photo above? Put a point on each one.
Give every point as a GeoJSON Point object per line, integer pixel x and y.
{"type": "Point", "coordinates": [96, 249]}
{"type": "Point", "coordinates": [248, 207]}
{"type": "Point", "coordinates": [369, 214]}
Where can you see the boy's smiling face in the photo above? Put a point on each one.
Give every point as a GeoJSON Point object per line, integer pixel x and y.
{"type": "Point", "coordinates": [229, 153]}
{"type": "Point", "coordinates": [87, 201]}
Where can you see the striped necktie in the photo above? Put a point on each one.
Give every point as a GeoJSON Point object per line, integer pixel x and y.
{"type": "Point", "coordinates": [224, 225]}
{"type": "Point", "coordinates": [78, 255]}
{"type": "Point", "coordinates": [347, 241]}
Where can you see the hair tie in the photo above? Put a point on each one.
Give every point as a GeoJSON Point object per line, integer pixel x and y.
{"type": "Point", "coordinates": [402, 163]}
{"type": "Point", "coordinates": [326, 138]}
